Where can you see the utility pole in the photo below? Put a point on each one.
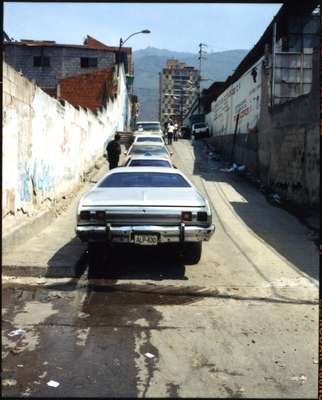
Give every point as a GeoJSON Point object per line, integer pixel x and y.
{"type": "Point", "coordinates": [200, 58]}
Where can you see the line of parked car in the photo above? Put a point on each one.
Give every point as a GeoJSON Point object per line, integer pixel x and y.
{"type": "Point", "coordinates": [147, 201]}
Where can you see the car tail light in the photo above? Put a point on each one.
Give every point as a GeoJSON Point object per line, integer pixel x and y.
{"type": "Point", "coordinates": [202, 216]}
{"type": "Point", "coordinates": [85, 215]}
{"type": "Point", "coordinates": [100, 215]}
{"type": "Point", "coordinates": [186, 216]}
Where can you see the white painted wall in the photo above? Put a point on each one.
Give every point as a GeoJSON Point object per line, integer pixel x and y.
{"type": "Point", "coordinates": [242, 97]}
{"type": "Point", "coordinates": [47, 147]}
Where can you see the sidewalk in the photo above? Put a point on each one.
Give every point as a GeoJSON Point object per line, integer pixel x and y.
{"type": "Point", "coordinates": [270, 235]}
{"type": "Point", "coordinates": [54, 251]}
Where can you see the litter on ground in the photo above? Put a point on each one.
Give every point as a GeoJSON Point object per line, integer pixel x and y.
{"type": "Point", "coordinates": [83, 315]}
{"type": "Point", "coordinates": [9, 382]}
{"type": "Point", "coordinates": [53, 384]}
{"type": "Point", "coordinates": [300, 379]}
{"type": "Point", "coordinates": [149, 355]}
{"type": "Point", "coordinates": [16, 332]}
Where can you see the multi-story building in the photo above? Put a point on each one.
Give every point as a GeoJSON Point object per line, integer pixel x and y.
{"type": "Point", "coordinates": [178, 88]}
{"type": "Point", "coordinates": [47, 62]}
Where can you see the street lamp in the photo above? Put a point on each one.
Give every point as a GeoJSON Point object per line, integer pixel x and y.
{"type": "Point", "coordinates": [123, 41]}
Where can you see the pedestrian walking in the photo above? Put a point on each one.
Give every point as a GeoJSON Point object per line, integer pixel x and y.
{"type": "Point", "coordinates": [170, 132]}
{"type": "Point", "coordinates": [175, 132]}
{"type": "Point", "coordinates": [113, 150]}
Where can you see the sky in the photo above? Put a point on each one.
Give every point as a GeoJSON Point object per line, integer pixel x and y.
{"type": "Point", "coordinates": [173, 26]}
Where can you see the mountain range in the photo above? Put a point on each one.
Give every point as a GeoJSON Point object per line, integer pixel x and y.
{"type": "Point", "coordinates": [150, 61]}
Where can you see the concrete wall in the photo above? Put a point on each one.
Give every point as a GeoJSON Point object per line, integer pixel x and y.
{"type": "Point", "coordinates": [47, 146]}
{"type": "Point", "coordinates": [284, 147]}
{"type": "Point", "coordinates": [289, 144]}
{"type": "Point", "coordinates": [242, 97]}
{"type": "Point", "coordinates": [64, 62]}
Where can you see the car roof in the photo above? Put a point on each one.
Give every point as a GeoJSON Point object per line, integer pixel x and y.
{"type": "Point", "coordinates": [147, 122]}
{"type": "Point", "coordinates": [158, 144]}
{"type": "Point", "coordinates": [147, 135]}
{"type": "Point", "coordinates": [131, 170]}
{"type": "Point", "coordinates": [142, 157]}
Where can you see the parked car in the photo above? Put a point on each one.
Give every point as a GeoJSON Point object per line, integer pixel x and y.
{"type": "Point", "coordinates": [200, 130]}
{"type": "Point", "coordinates": [147, 138]}
{"type": "Point", "coordinates": [149, 149]}
{"type": "Point", "coordinates": [152, 127]}
{"type": "Point", "coordinates": [149, 161]}
{"type": "Point", "coordinates": [144, 206]}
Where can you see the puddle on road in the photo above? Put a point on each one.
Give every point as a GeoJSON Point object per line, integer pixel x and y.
{"type": "Point", "coordinates": [111, 340]}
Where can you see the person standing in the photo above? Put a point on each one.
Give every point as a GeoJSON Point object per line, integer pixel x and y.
{"type": "Point", "coordinates": [113, 150]}
{"type": "Point", "coordinates": [170, 132]}
{"type": "Point", "coordinates": [175, 132]}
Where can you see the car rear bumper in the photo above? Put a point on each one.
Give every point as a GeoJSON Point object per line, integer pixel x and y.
{"type": "Point", "coordinates": [125, 234]}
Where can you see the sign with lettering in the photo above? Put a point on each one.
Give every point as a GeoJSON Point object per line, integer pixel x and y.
{"type": "Point", "coordinates": [243, 98]}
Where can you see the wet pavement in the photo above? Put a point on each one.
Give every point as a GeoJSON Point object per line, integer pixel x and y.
{"type": "Point", "coordinates": [241, 323]}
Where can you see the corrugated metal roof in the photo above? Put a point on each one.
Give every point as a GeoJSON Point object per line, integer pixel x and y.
{"type": "Point", "coordinates": [49, 43]}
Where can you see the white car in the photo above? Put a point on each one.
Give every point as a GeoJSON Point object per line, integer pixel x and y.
{"type": "Point", "coordinates": [199, 130]}
{"type": "Point", "coordinates": [148, 138]}
{"type": "Point", "coordinates": [149, 161]}
{"type": "Point", "coordinates": [144, 206]}
{"type": "Point", "coordinates": [151, 127]}
{"type": "Point", "coordinates": [147, 149]}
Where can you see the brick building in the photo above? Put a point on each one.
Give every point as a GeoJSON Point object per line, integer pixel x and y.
{"type": "Point", "coordinates": [177, 90]}
{"type": "Point", "coordinates": [75, 89]}
{"type": "Point", "coordinates": [47, 62]}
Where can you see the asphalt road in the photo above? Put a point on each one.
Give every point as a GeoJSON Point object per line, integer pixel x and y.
{"type": "Point", "coordinates": [241, 323]}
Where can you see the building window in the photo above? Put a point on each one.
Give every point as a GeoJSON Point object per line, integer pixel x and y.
{"type": "Point", "coordinates": [41, 61]}
{"type": "Point", "coordinates": [88, 62]}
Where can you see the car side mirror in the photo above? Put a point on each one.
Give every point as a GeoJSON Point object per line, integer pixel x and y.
{"type": "Point", "coordinates": [125, 153]}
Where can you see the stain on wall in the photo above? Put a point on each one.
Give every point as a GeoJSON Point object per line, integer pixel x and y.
{"type": "Point", "coordinates": [48, 146]}
{"type": "Point", "coordinates": [289, 144]}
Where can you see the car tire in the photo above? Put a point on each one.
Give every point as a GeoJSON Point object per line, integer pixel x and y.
{"type": "Point", "coordinates": [192, 253]}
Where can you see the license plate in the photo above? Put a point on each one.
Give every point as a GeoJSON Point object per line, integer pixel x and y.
{"type": "Point", "coordinates": [149, 240]}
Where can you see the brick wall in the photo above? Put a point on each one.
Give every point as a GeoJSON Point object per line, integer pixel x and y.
{"type": "Point", "coordinates": [88, 90]}
{"type": "Point", "coordinates": [95, 44]}
{"type": "Point", "coordinates": [64, 62]}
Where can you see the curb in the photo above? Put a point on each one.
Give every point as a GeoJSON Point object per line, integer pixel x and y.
{"type": "Point", "coordinates": [40, 272]}
{"type": "Point", "coordinates": [39, 222]}
{"type": "Point", "coordinates": [28, 229]}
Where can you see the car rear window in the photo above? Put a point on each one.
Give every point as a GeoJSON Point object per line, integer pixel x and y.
{"type": "Point", "coordinates": [148, 127]}
{"type": "Point", "coordinates": [201, 125]}
{"type": "Point", "coordinates": [149, 163]}
{"type": "Point", "coordinates": [149, 139]}
{"type": "Point", "coordinates": [148, 149]}
{"type": "Point", "coordinates": [143, 179]}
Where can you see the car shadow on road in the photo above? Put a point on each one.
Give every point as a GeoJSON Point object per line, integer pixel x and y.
{"type": "Point", "coordinates": [117, 262]}
{"type": "Point", "coordinates": [276, 226]}
{"type": "Point", "coordinates": [133, 262]}
{"type": "Point", "coordinates": [69, 261]}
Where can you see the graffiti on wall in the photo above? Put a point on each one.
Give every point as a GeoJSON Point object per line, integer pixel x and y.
{"type": "Point", "coordinates": [243, 98]}
{"type": "Point", "coordinates": [25, 193]}
{"type": "Point", "coordinates": [42, 178]}
{"type": "Point", "coordinates": [49, 148]}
